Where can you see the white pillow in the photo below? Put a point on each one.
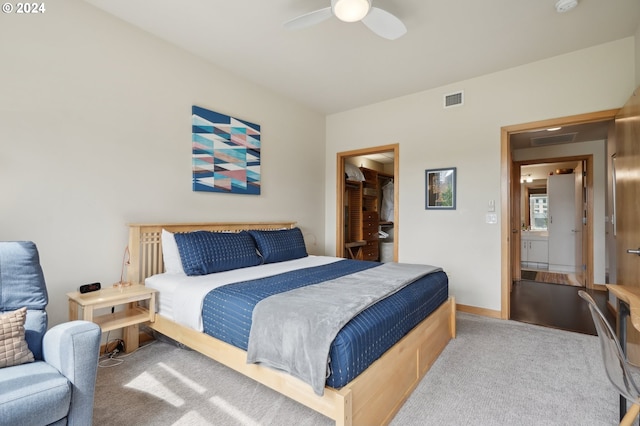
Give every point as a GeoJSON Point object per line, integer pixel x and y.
{"type": "Point", "coordinates": [353, 172]}
{"type": "Point", "coordinates": [170, 254]}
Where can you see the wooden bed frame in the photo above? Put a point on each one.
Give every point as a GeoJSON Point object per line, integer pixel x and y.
{"type": "Point", "coordinates": [372, 398]}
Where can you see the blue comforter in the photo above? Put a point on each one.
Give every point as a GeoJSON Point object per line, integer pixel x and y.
{"type": "Point", "coordinates": [227, 313]}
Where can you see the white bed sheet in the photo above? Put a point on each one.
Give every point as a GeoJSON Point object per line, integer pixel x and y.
{"type": "Point", "coordinates": [180, 297]}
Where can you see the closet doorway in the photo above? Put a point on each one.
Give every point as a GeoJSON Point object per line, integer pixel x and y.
{"type": "Point", "coordinates": [367, 194]}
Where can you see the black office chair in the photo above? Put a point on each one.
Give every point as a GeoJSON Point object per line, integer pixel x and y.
{"type": "Point", "coordinates": [622, 374]}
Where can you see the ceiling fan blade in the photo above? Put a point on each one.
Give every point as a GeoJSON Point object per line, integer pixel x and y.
{"type": "Point", "coordinates": [308, 19]}
{"type": "Point", "coordinates": [384, 24]}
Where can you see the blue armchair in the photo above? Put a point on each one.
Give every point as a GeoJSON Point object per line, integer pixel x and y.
{"type": "Point", "coordinates": [57, 387]}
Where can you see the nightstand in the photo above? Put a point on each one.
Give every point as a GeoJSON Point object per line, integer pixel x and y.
{"type": "Point", "coordinates": [128, 319]}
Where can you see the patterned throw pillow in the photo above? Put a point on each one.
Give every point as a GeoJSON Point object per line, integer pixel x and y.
{"type": "Point", "coordinates": [205, 252]}
{"type": "Point", "coordinates": [280, 245]}
{"type": "Point", "coordinates": [13, 346]}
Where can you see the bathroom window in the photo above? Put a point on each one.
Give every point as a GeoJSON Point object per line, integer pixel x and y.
{"type": "Point", "coordinates": [538, 212]}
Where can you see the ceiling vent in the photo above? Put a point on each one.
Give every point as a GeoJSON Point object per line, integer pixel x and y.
{"type": "Point", "coordinates": [553, 140]}
{"type": "Point", "coordinates": [454, 99]}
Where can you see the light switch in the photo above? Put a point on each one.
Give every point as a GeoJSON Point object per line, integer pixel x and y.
{"type": "Point", "coordinates": [492, 205]}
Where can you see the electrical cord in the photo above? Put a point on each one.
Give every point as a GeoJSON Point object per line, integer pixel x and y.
{"type": "Point", "coordinates": [108, 359]}
{"type": "Point", "coordinates": [109, 362]}
{"type": "Point", "coordinates": [116, 357]}
{"type": "Point", "coordinates": [117, 346]}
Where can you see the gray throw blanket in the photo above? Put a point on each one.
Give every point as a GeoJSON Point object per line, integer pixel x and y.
{"type": "Point", "coordinates": [293, 331]}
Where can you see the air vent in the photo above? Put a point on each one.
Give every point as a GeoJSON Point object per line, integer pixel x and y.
{"type": "Point", "coordinates": [454, 99]}
{"type": "Point", "coordinates": [553, 140]}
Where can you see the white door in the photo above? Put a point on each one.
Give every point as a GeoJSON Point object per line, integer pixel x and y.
{"type": "Point", "coordinates": [562, 236]}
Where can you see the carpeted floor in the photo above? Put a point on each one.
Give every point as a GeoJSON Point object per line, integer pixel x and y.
{"type": "Point", "coordinates": [494, 373]}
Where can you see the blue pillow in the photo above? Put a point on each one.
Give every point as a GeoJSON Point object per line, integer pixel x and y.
{"type": "Point", "coordinates": [22, 284]}
{"type": "Point", "coordinates": [206, 252]}
{"type": "Point", "coordinates": [21, 279]}
{"type": "Point", "coordinates": [280, 245]}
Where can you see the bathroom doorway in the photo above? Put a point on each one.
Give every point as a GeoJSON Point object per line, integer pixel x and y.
{"type": "Point", "coordinates": [553, 221]}
{"type": "Point", "coordinates": [567, 140]}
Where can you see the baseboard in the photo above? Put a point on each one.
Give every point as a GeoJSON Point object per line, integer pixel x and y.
{"type": "Point", "coordinates": [479, 311]}
{"type": "Point", "coordinates": [600, 287]}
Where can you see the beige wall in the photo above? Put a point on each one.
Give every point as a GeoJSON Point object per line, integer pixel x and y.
{"type": "Point", "coordinates": [95, 133]}
{"type": "Point", "coordinates": [468, 137]}
{"type": "Point", "coordinates": [637, 46]}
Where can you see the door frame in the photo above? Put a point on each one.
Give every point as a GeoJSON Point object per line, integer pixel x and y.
{"type": "Point", "coordinates": [509, 244]}
{"type": "Point", "coordinates": [340, 188]}
{"type": "Point", "coordinates": [587, 236]}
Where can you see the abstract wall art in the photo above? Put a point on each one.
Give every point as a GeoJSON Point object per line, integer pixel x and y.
{"type": "Point", "coordinates": [226, 153]}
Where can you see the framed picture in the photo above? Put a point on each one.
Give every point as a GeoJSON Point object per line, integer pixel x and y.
{"type": "Point", "coordinates": [225, 153]}
{"type": "Point", "coordinates": [441, 188]}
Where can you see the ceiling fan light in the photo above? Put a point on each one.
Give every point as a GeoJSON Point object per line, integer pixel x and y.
{"type": "Point", "coordinates": [565, 5]}
{"type": "Point", "coordinates": [351, 10]}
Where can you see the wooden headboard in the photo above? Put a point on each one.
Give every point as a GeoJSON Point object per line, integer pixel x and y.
{"type": "Point", "coordinates": [145, 244]}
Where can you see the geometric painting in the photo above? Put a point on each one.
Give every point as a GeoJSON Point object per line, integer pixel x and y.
{"type": "Point", "coordinates": [226, 153]}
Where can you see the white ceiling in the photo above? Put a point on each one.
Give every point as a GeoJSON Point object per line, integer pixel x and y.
{"type": "Point", "coordinates": [382, 157]}
{"type": "Point", "coordinates": [576, 133]}
{"type": "Point", "coordinates": [335, 66]}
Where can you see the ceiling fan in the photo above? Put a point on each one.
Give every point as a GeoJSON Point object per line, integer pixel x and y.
{"type": "Point", "coordinates": [377, 20]}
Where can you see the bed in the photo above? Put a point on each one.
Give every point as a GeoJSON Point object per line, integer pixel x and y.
{"type": "Point", "coordinates": [372, 397]}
